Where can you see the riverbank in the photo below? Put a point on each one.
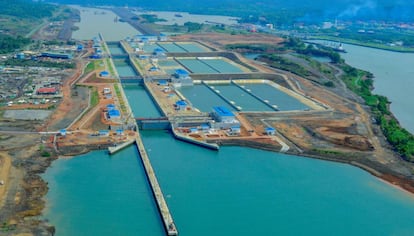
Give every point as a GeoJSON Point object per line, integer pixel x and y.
{"type": "Point", "coordinates": [368, 45]}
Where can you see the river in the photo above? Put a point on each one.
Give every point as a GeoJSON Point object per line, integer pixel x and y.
{"type": "Point", "coordinates": [394, 79]}
{"type": "Point", "coordinates": [233, 191]}
{"type": "Point", "coordinates": [95, 21]}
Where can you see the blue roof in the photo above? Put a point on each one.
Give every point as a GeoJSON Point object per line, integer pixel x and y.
{"type": "Point", "coordinates": [110, 106]}
{"type": "Point", "coordinates": [205, 126]}
{"type": "Point", "coordinates": [104, 72]}
{"type": "Point", "coordinates": [162, 82]}
{"type": "Point", "coordinates": [181, 72]}
{"type": "Point", "coordinates": [103, 131]}
{"type": "Point", "coordinates": [114, 113]}
{"type": "Point", "coordinates": [223, 111]}
{"type": "Point", "coordinates": [158, 50]}
{"type": "Point", "coordinates": [270, 129]}
{"type": "Point", "coordinates": [181, 103]}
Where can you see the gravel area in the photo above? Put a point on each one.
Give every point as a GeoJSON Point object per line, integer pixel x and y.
{"type": "Point", "coordinates": [27, 114]}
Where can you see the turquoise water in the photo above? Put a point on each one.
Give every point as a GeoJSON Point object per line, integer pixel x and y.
{"type": "Point", "coordinates": [97, 194]}
{"type": "Point", "coordinates": [124, 68]}
{"type": "Point", "coordinates": [193, 47]}
{"type": "Point", "coordinates": [115, 49]}
{"type": "Point", "coordinates": [393, 77]}
{"type": "Point", "coordinates": [197, 95]}
{"type": "Point", "coordinates": [95, 21]}
{"type": "Point", "coordinates": [171, 47]}
{"type": "Point", "coordinates": [222, 66]}
{"type": "Point", "coordinates": [149, 48]}
{"type": "Point", "coordinates": [235, 191]}
{"type": "Point", "coordinates": [283, 101]}
{"type": "Point", "coordinates": [140, 102]}
{"type": "Point", "coordinates": [241, 191]}
{"type": "Point", "coordinates": [168, 63]}
{"type": "Point", "coordinates": [241, 98]}
{"type": "Point", "coordinates": [197, 66]}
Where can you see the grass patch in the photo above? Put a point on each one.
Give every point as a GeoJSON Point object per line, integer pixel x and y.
{"type": "Point", "coordinates": [109, 65]}
{"type": "Point", "coordinates": [120, 98]}
{"type": "Point", "coordinates": [90, 67]}
{"type": "Point", "coordinates": [94, 97]}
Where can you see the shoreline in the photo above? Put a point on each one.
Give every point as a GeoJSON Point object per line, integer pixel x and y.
{"type": "Point", "coordinates": [361, 44]}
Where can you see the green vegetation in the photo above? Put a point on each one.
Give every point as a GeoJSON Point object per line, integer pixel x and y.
{"type": "Point", "coordinates": [110, 67]}
{"type": "Point", "coordinates": [9, 43]}
{"type": "Point", "coordinates": [361, 83]}
{"type": "Point", "coordinates": [26, 9]}
{"type": "Point", "coordinates": [328, 152]}
{"type": "Point", "coordinates": [6, 227]}
{"type": "Point", "coordinates": [43, 152]}
{"type": "Point", "coordinates": [193, 27]}
{"type": "Point", "coordinates": [279, 62]}
{"type": "Point", "coordinates": [39, 63]}
{"type": "Point", "coordinates": [151, 18]}
{"type": "Point", "coordinates": [253, 48]}
{"type": "Point", "coordinates": [89, 68]}
{"type": "Point", "coordinates": [120, 98]}
{"type": "Point", "coordinates": [94, 96]}
{"type": "Point", "coordinates": [370, 44]}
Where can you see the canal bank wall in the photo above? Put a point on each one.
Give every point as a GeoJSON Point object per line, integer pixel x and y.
{"type": "Point", "coordinates": [156, 189]}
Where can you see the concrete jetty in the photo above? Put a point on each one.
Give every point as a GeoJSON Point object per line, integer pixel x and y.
{"type": "Point", "coordinates": [117, 148]}
{"type": "Point", "coordinates": [212, 146]}
{"type": "Point", "coordinates": [156, 189]}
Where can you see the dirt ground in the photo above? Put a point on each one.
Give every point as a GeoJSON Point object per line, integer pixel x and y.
{"type": "Point", "coordinates": [220, 40]}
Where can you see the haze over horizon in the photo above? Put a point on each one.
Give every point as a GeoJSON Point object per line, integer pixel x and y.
{"type": "Point", "coordinates": [308, 11]}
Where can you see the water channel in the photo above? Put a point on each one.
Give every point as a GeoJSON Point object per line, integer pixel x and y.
{"type": "Point", "coordinates": [235, 191]}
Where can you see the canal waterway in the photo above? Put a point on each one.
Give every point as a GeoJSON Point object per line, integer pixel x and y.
{"type": "Point", "coordinates": [235, 191]}
{"type": "Point", "coordinates": [97, 194]}
{"type": "Point", "coordinates": [243, 191]}
{"type": "Point", "coordinates": [95, 21]}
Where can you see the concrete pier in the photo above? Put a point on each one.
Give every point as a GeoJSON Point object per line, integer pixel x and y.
{"type": "Point", "coordinates": [156, 189]}
{"type": "Point", "coordinates": [117, 148]}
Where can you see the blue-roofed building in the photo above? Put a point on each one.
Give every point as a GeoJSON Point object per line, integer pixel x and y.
{"type": "Point", "coordinates": [104, 73]}
{"type": "Point", "coordinates": [110, 107]}
{"type": "Point", "coordinates": [159, 53]}
{"type": "Point", "coordinates": [119, 132]}
{"type": "Point", "coordinates": [270, 131]}
{"type": "Point", "coordinates": [222, 114]}
{"type": "Point", "coordinates": [181, 77]}
{"type": "Point", "coordinates": [79, 48]}
{"type": "Point", "coordinates": [103, 132]}
{"type": "Point", "coordinates": [181, 105]}
{"type": "Point", "coordinates": [95, 56]}
{"type": "Point", "coordinates": [162, 82]}
{"type": "Point", "coordinates": [205, 127]}
{"type": "Point", "coordinates": [234, 130]}
{"type": "Point", "coordinates": [114, 115]}
{"type": "Point", "coordinates": [162, 37]}
{"type": "Point", "coordinates": [63, 132]}
{"type": "Point", "coordinates": [224, 118]}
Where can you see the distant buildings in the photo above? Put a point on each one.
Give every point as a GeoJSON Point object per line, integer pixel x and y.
{"type": "Point", "coordinates": [46, 91]}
